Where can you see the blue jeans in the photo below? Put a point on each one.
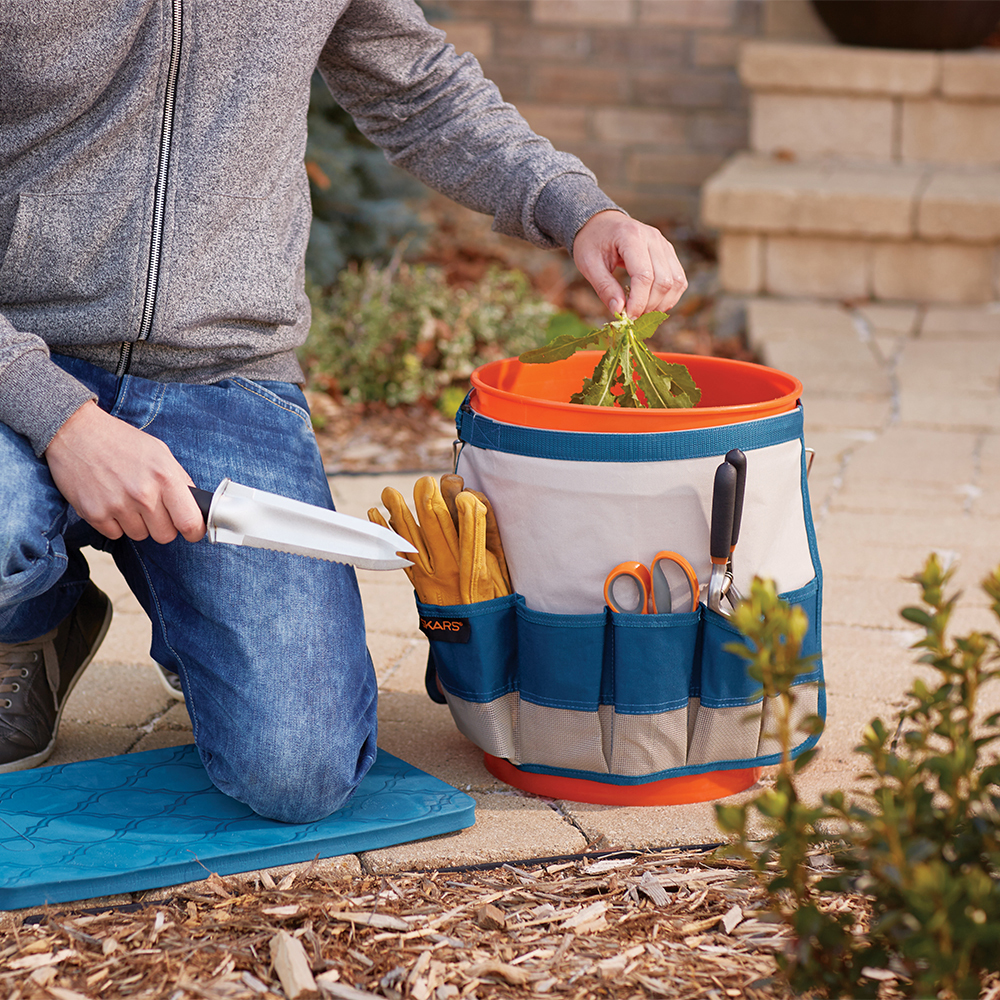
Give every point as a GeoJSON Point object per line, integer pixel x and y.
{"type": "Point", "coordinates": [270, 647]}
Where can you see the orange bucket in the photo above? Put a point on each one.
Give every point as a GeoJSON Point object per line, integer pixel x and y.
{"type": "Point", "coordinates": [677, 791]}
{"type": "Point", "coordinates": [538, 395]}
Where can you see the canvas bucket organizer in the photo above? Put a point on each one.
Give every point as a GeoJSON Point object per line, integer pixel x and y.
{"type": "Point", "coordinates": [552, 683]}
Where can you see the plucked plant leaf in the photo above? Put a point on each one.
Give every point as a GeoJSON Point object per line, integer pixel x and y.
{"type": "Point", "coordinates": [628, 374]}
{"type": "Point", "coordinates": [564, 346]}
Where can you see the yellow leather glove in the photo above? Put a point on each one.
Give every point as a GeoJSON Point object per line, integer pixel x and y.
{"type": "Point", "coordinates": [435, 570]}
{"type": "Point", "coordinates": [494, 546]}
{"type": "Point", "coordinates": [451, 486]}
{"type": "Point", "coordinates": [457, 541]}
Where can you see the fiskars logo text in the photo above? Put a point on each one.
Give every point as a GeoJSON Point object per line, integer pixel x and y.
{"type": "Point", "coordinates": [441, 624]}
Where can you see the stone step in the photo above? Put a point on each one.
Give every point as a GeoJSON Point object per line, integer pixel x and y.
{"type": "Point", "coordinates": [871, 105]}
{"type": "Point", "coordinates": [754, 193]}
{"type": "Point", "coordinates": [890, 232]}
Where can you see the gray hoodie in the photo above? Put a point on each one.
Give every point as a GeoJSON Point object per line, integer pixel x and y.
{"type": "Point", "coordinates": [154, 206]}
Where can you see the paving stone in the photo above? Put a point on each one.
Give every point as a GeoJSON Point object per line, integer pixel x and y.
{"type": "Point", "coordinates": [127, 640]}
{"type": "Point", "coordinates": [865, 603]}
{"type": "Point", "coordinates": [947, 369]}
{"type": "Point", "coordinates": [965, 322]}
{"type": "Point", "coordinates": [408, 673]}
{"type": "Point", "coordinates": [159, 739]}
{"type": "Point", "coordinates": [857, 414]}
{"type": "Point", "coordinates": [508, 827]}
{"type": "Point", "coordinates": [387, 651]}
{"type": "Point", "coordinates": [640, 827]}
{"type": "Point", "coordinates": [106, 575]}
{"type": "Point", "coordinates": [175, 717]}
{"type": "Point", "coordinates": [89, 740]}
{"type": "Point", "coordinates": [905, 456]}
{"type": "Point", "coordinates": [117, 694]}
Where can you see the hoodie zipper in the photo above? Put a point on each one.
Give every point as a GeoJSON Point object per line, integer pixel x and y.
{"type": "Point", "coordinates": [159, 192]}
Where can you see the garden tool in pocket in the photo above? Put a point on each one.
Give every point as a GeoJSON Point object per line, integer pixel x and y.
{"type": "Point", "coordinates": [669, 586]}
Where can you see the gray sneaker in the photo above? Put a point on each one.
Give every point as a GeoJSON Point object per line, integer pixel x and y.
{"type": "Point", "coordinates": [36, 678]}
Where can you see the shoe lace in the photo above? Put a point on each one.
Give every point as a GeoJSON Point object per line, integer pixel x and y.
{"type": "Point", "coordinates": [16, 663]}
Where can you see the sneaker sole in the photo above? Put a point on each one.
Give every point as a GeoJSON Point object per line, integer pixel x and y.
{"type": "Point", "coordinates": [25, 763]}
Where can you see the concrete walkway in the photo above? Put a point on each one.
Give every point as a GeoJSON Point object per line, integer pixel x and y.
{"type": "Point", "coordinates": [903, 410]}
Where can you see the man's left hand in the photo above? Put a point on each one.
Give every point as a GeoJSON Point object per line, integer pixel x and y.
{"type": "Point", "coordinates": [612, 239]}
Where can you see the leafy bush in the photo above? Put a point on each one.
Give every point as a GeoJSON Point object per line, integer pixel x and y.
{"type": "Point", "coordinates": [920, 843]}
{"type": "Point", "coordinates": [400, 334]}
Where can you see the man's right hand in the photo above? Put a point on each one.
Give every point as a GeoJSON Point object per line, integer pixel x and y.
{"type": "Point", "coordinates": [122, 481]}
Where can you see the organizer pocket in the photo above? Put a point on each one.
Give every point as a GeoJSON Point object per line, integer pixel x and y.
{"type": "Point", "coordinates": [564, 691]}
{"type": "Point", "coordinates": [610, 694]}
{"type": "Point", "coordinates": [473, 649]}
{"type": "Point", "coordinates": [732, 722]}
{"type": "Point", "coordinates": [652, 662]}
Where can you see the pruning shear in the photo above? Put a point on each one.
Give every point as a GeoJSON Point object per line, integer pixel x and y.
{"type": "Point", "coordinates": [727, 514]}
{"type": "Point", "coordinates": [669, 586]}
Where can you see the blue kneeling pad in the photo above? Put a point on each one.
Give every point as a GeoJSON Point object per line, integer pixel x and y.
{"type": "Point", "coordinates": [145, 820]}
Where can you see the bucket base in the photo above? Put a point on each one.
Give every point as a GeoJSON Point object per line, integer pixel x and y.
{"type": "Point", "coordinates": [666, 792]}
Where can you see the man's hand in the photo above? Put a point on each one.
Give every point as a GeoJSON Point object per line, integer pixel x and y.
{"type": "Point", "coordinates": [121, 480]}
{"type": "Point", "coordinates": [611, 239]}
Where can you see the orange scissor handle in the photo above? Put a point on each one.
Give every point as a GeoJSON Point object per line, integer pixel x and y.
{"type": "Point", "coordinates": [627, 588]}
{"type": "Point", "coordinates": [675, 584]}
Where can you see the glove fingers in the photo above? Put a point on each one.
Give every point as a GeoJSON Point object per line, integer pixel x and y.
{"type": "Point", "coordinates": [451, 486]}
{"type": "Point", "coordinates": [375, 516]}
{"type": "Point", "coordinates": [499, 585]}
{"type": "Point", "coordinates": [473, 580]}
{"type": "Point", "coordinates": [493, 542]}
{"type": "Point", "coordinates": [436, 523]}
{"type": "Point", "coordinates": [403, 523]}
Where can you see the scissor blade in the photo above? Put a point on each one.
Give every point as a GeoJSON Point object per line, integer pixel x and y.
{"type": "Point", "coordinates": [242, 515]}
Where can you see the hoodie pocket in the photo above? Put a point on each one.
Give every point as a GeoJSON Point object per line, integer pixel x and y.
{"type": "Point", "coordinates": [236, 261]}
{"type": "Point", "coordinates": [69, 253]}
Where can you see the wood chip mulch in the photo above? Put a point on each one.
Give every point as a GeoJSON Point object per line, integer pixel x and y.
{"type": "Point", "coordinates": [677, 923]}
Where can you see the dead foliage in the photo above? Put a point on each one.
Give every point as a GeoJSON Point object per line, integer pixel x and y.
{"type": "Point", "coordinates": [672, 924]}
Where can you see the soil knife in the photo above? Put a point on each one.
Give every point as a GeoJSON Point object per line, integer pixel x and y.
{"type": "Point", "coordinates": [241, 515]}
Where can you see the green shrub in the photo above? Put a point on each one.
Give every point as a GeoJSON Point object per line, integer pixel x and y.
{"type": "Point", "coordinates": [920, 841]}
{"type": "Point", "coordinates": [400, 334]}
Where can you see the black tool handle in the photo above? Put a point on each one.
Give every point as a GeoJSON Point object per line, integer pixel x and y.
{"type": "Point", "coordinates": [204, 500]}
{"type": "Point", "coordinates": [723, 508]}
{"type": "Point", "coordinates": [738, 461]}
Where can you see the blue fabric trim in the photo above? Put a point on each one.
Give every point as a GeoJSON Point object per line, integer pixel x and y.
{"type": "Point", "coordinates": [673, 772]}
{"type": "Point", "coordinates": [668, 446]}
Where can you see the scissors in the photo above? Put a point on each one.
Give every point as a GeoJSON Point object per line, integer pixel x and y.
{"type": "Point", "coordinates": [671, 586]}
{"type": "Point", "coordinates": [727, 514]}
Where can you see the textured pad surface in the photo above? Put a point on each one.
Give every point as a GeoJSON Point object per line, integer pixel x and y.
{"type": "Point", "coordinates": [146, 820]}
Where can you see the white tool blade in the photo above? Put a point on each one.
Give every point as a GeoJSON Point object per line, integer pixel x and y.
{"type": "Point", "coordinates": [242, 515]}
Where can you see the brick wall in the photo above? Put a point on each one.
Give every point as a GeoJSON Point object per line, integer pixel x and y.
{"type": "Point", "coordinates": [645, 92]}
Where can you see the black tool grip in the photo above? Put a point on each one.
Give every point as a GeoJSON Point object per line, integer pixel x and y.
{"type": "Point", "coordinates": [204, 500]}
{"type": "Point", "coordinates": [738, 461]}
{"type": "Point", "coordinates": [723, 508]}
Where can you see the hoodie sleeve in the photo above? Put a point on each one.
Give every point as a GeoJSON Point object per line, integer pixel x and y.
{"type": "Point", "coordinates": [27, 374]}
{"type": "Point", "coordinates": [434, 114]}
